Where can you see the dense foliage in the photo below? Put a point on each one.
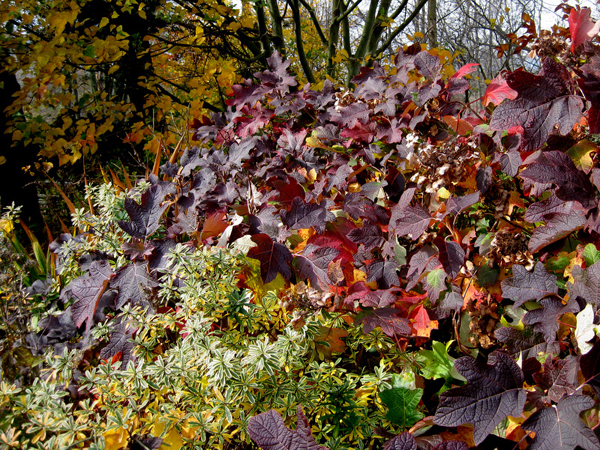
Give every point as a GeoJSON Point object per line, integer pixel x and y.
{"type": "Point", "coordinates": [384, 266]}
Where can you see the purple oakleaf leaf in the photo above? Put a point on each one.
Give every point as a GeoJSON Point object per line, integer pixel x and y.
{"type": "Point", "coordinates": [144, 216]}
{"type": "Point", "coordinates": [135, 284]}
{"type": "Point", "coordinates": [526, 341]}
{"type": "Point", "coordinates": [543, 101]}
{"type": "Point", "coordinates": [557, 227]}
{"type": "Point", "coordinates": [546, 317]}
{"type": "Point", "coordinates": [388, 319]}
{"type": "Point", "coordinates": [558, 168]}
{"type": "Point", "coordinates": [274, 258]}
{"type": "Point", "coordinates": [88, 289]}
{"type": "Point", "coordinates": [120, 342]}
{"type": "Point", "coordinates": [305, 215]}
{"type": "Point", "coordinates": [493, 392]}
{"type": "Point", "coordinates": [314, 263]}
{"type": "Point", "coordinates": [269, 432]}
{"type": "Point", "coordinates": [369, 235]}
{"type": "Point", "coordinates": [404, 441]}
{"type": "Point", "coordinates": [524, 286]}
{"type": "Point", "coordinates": [384, 272]}
{"type": "Point", "coordinates": [559, 426]}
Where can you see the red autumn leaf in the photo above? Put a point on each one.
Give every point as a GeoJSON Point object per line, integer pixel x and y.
{"type": "Point", "coordinates": [421, 322]}
{"type": "Point", "coordinates": [461, 126]}
{"type": "Point", "coordinates": [328, 340]}
{"type": "Point", "coordinates": [497, 91]}
{"type": "Point", "coordinates": [582, 27]}
{"type": "Point", "coordinates": [465, 70]}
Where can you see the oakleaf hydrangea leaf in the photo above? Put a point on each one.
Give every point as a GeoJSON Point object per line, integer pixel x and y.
{"type": "Point", "coordinates": [524, 286]}
{"type": "Point", "coordinates": [543, 101]}
{"type": "Point", "coordinates": [559, 426]}
{"type": "Point", "coordinates": [313, 264]}
{"type": "Point", "coordinates": [404, 441]}
{"type": "Point", "coordinates": [557, 227]}
{"type": "Point", "coordinates": [493, 392]}
{"type": "Point", "coordinates": [305, 215]}
{"type": "Point", "coordinates": [134, 284]}
{"type": "Point", "coordinates": [274, 257]}
{"type": "Point", "coordinates": [269, 432]}
{"type": "Point", "coordinates": [88, 289]}
{"type": "Point", "coordinates": [144, 216]}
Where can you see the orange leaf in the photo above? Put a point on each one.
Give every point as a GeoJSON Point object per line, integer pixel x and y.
{"type": "Point", "coordinates": [328, 341]}
{"type": "Point", "coordinates": [214, 225]}
{"type": "Point", "coordinates": [461, 126]}
{"type": "Point", "coordinates": [515, 200]}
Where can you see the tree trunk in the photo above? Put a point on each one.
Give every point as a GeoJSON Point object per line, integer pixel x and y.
{"type": "Point", "coordinates": [432, 23]}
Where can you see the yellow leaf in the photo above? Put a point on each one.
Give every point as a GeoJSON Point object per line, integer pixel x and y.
{"type": "Point", "coordinates": [58, 22]}
{"type": "Point", "coordinates": [247, 22]}
{"type": "Point", "coordinates": [443, 193]}
{"type": "Point", "coordinates": [6, 225]}
{"type": "Point", "coordinates": [113, 69]}
{"type": "Point", "coordinates": [103, 22]}
{"type": "Point", "coordinates": [2, 160]}
{"type": "Point", "coordinates": [418, 35]}
{"type": "Point", "coordinates": [172, 441]}
{"type": "Point", "coordinates": [115, 439]}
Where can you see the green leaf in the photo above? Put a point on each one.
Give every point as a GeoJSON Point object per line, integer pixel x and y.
{"type": "Point", "coordinates": [90, 51]}
{"type": "Point", "coordinates": [558, 263]}
{"type": "Point", "coordinates": [438, 364]}
{"type": "Point", "coordinates": [487, 276]}
{"type": "Point", "coordinates": [402, 403]}
{"type": "Point", "coordinates": [437, 278]}
{"type": "Point", "coordinates": [399, 253]}
{"type": "Point", "coordinates": [591, 254]}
